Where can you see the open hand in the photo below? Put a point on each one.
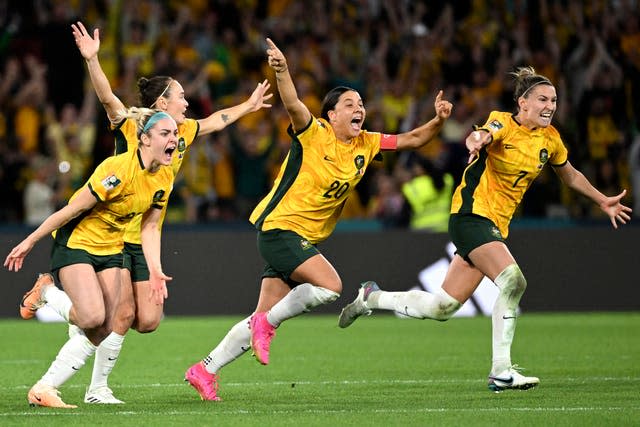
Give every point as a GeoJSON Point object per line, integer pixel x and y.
{"type": "Point", "coordinates": [158, 286]}
{"type": "Point", "coordinates": [616, 211]}
{"type": "Point", "coordinates": [87, 45]}
{"type": "Point", "coordinates": [258, 98]}
{"type": "Point", "coordinates": [16, 257]}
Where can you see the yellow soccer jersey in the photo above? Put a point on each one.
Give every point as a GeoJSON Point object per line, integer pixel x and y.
{"type": "Point", "coordinates": [127, 140]}
{"type": "Point", "coordinates": [315, 180]}
{"type": "Point", "coordinates": [124, 190]}
{"type": "Point", "coordinates": [495, 182]}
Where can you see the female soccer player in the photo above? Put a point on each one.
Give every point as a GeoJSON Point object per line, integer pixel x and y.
{"type": "Point", "coordinates": [87, 254]}
{"type": "Point", "coordinates": [506, 155]}
{"type": "Point", "coordinates": [136, 310]}
{"type": "Point", "coordinates": [328, 157]}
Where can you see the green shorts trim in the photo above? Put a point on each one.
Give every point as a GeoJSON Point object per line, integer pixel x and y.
{"type": "Point", "coordinates": [283, 252]}
{"type": "Point", "coordinates": [134, 262]}
{"type": "Point", "coordinates": [62, 256]}
{"type": "Point", "coordinates": [469, 231]}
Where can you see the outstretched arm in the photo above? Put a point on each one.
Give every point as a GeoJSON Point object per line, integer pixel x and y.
{"type": "Point", "coordinates": [221, 119]}
{"type": "Point", "coordinates": [89, 47]}
{"type": "Point", "coordinates": [298, 112]}
{"type": "Point", "coordinates": [82, 202]}
{"type": "Point", "coordinates": [421, 135]}
{"type": "Point", "coordinates": [616, 211]}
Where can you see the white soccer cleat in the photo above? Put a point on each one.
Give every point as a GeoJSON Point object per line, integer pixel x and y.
{"type": "Point", "coordinates": [511, 379]}
{"type": "Point", "coordinates": [359, 306]}
{"type": "Point", "coordinates": [101, 395]}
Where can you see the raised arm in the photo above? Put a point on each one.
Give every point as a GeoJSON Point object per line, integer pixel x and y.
{"type": "Point", "coordinates": [221, 119]}
{"type": "Point", "coordinates": [299, 114]}
{"type": "Point", "coordinates": [81, 203]}
{"type": "Point", "coordinates": [574, 179]}
{"type": "Point", "coordinates": [421, 135]}
{"type": "Point", "coordinates": [89, 47]}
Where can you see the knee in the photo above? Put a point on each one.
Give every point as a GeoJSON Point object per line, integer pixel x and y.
{"type": "Point", "coordinates": [511, 281]}
{"type": "Point", "coordinates": [317, 295]}
{"type": "Point", "coordinates": [440, 305]}
{"type": "Point", "coordinates": [125, 316]}
{"type": "Point", "coordinates": [446, 310]}
{"type": "Point", "coordinates": [90, 320]}
{"type": "Point", "coordinates": [330, 296]}
{"type": "Point", "coordinates": [146, 325]}
{"type": "Point", "coordinates": [334, 286]}
{"type": "Point", "coordinates": [445, 306]}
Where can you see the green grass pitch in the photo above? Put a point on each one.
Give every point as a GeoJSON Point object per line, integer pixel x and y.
{"type": "Point", "coordinates": [381, 371]}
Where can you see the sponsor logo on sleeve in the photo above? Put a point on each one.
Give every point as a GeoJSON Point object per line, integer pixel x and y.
{"type": "Point", "coordinates": [110, 182]}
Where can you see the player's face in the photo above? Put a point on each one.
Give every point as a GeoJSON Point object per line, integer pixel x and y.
{"type": "Point", "coordinates": [163, 140]}
{"type": "Point", "coordinates": [538, 108]}
{"type": "Point", "coordinates": [348, 115]}
{"type": "Point", "coordinates": [176, 102]}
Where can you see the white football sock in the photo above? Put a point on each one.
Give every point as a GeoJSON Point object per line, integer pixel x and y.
{"type": "Point", "coordinates": [58, 300]}
{"type": "Point", "coordinates": [300, 299]}
{"type": "Point", "coordinates": [233, 345]}
{"type": "Point", "coordinates": [106, 357]}
{"type": "Point", "coordinates": [71, 357]}
{"type": "Point", "coordinates": [512, 284]}
{"type": "Point", "coordinates": [419, 304]}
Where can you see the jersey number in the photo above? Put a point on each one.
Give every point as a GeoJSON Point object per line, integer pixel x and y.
{"type": "Point", "coordinates": [521, 175]}
{"type": "Point", "coordinates": [336, 190]}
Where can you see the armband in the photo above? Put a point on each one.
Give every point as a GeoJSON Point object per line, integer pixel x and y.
{"type": "Point", "coordinates": [388, 142]}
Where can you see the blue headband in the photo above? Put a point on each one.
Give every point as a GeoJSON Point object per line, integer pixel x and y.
{"type": "Point", "coordinates": [153, 119]}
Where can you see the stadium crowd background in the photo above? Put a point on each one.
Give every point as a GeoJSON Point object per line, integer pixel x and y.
{"type": "Point", "coordinates": [397, 53]}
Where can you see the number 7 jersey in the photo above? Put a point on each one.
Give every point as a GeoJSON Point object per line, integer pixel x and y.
{"type": "Point", "coordinates": [494, 184]}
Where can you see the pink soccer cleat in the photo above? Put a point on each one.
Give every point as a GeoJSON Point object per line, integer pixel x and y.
{"type": "Point", "coordinates": [262, 332]}
{"type": "Point", "coordinates": [205, 383]}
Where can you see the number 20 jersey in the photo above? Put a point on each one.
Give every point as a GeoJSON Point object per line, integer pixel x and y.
{"type": "Point", "coordinates": [315, 180]}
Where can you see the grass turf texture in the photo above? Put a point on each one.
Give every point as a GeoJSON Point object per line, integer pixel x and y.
{"type": "Point", "coordinates": [380, 371]}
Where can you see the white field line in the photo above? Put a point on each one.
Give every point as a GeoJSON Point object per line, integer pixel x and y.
{"type": "Point", "coordinates": [344, 382]}
{"type": "Point", "coordinates": [221, 411]}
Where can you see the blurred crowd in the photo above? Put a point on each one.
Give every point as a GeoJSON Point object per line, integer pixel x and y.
{"type": "Point", "coordinates": [396, 53]}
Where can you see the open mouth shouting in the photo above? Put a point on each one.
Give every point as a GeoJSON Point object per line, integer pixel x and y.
{"type": "Point", "coordinates": [356, 123]}
{"type": "Point", "coordinates": [168, 153]}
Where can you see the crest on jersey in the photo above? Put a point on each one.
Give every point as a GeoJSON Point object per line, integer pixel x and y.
{"type": "Point", "coordinates": [158, 195]}
{"type": "Point", "coordinates": [110, 182]}
{"type": "Point", "coordinates": [181, 145]}
{"type": "Point", "coordinates": [544, 156]}
{"type": "Point", "coordinates": [495, 125]}
{"type": "Point", "coordinates": [359, 161]}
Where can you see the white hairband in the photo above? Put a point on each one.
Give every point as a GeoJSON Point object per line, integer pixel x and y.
{"type": "Point", "coordinates": [545, 81]}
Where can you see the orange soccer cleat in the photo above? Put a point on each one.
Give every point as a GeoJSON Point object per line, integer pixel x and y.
{"type": "Point", "coordinates": [46, 395]}
{"type": "Point", "coordinates": [33, 300]}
